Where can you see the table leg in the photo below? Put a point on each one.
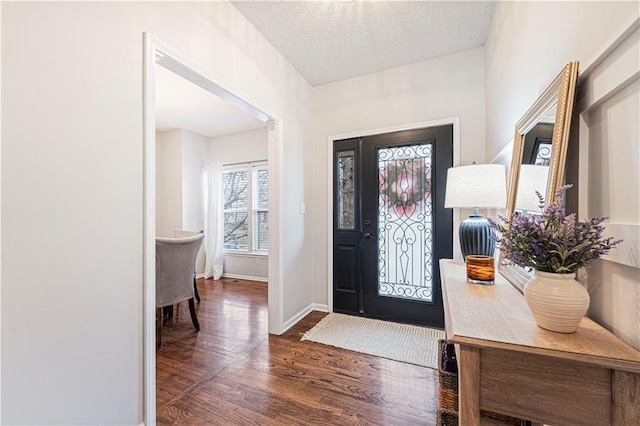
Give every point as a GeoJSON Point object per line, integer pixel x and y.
{"type": "Point", "coordinates": [626, 398]}
{"type": "Point", "coordinates": [469, 385]}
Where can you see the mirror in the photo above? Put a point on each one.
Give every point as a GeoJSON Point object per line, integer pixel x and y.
{"type": "Point", "coordinates": [539, 156]}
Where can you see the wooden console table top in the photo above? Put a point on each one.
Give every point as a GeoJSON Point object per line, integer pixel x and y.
{"type": "Point", "coordinates": [497, 316]}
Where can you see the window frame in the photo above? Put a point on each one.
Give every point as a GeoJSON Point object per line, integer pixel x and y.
{"type": "Point", "coordinates": [255, 205]}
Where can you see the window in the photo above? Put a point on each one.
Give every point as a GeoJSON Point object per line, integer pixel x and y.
{"type": "Point", "coordinates": [246, 207]}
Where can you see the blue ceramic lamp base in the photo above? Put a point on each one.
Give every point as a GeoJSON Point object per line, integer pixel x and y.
{"type": "Point", "coordinates": [476, 236]}
{"type": "Point", "coordinates": [477, 247]}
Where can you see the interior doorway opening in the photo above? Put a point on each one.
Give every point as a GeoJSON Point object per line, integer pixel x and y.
{"type": "Point", "coordinates": [159, 54]}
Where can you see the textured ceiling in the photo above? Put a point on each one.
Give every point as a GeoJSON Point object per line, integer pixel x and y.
{"type": "Point", "coordinates": [181, 104]}
{"type": "Point", "coordinates": [331, 40]}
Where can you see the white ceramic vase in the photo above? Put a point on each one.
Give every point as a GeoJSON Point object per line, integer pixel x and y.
{"type": "Point", "coordinates": [557, 301]}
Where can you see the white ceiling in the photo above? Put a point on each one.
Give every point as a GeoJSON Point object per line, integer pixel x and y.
{"type": "Point", "coordinates": [181, 104]}
{"type": "Point", "coordinates": [332, 40]}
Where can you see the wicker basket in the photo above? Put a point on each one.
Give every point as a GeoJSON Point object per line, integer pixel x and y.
{"type": "Point", "coordinates": [447, 417]}
{"type": "Point", "coordinates": [447, 384]}
{"type": "Point", "coordinates": [448, 398]}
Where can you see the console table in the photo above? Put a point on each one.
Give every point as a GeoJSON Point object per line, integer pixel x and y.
{"type": "Point", "coordinates": [509, 365]}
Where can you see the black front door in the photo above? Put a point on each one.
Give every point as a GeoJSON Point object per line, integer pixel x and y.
{"type": "Point", "coordinates": [390, 224]}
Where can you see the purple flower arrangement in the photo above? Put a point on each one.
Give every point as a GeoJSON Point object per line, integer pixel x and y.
{"type": "Point", "coordinates": [552, 241]}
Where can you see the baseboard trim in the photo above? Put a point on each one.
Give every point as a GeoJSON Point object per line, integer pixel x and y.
{"type": "Point", "coordinates": [320, 308]}
{"type": "Point", "coordinates": [303, 313]}
{"type": "Point", "coordinates": [245, 277]}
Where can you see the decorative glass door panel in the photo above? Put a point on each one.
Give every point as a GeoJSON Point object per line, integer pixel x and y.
{"type": "Point", "coordinates": [346, 189]}
{"type": "Point", "coordinates": [405, 222]}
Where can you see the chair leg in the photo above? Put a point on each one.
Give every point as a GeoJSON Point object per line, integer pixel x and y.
{"type": "Point", "coordinates": [159, 320]}
{"type": "Point", "coordinates": [195, 289]}
{"type": "Point", "coordinates": [167, 312]}
{"type": "Point", "coordinates": [194, 315]}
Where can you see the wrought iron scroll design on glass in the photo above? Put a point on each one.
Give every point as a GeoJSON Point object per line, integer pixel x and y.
{"type": "Point", "coordinates": [405, 217]}
{"type": "Point", "coordinates": [543, 155]}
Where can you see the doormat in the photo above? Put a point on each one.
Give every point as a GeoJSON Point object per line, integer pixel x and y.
{"type": "Point", "coordinates": [400, 342]}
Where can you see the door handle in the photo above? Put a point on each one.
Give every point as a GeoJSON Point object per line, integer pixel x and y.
{"type": "Point", "coordinates": [367, 235]}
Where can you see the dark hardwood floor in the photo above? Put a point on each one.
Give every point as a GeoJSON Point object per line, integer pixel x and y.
{"type": "Point", "coordinates": [233, 373]}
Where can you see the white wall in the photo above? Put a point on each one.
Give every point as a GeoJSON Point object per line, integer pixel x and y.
{"type": "Point", "coordinates": [241, 147]}
{"type": "Point", "coordinates": [528, 45]}
{"type": "Point", "coordinates": [168, 182]}
{"type": "Point", "coordinates": [450, 86]}
{"type": "Point", "coordinates": [1, 349]}
{"type": "Point", "coordinates": [520, 62]}
{"type": "Point", "coordinates": [181, 156]}
{"type": "Point", "coordinates": [74, 70]}
{"type": "Point", "coordinates": [195, 153]}
{"type": "Point", "coordinates": [608, 113]}
{"type": "Point", "coordinates": [246, 266]}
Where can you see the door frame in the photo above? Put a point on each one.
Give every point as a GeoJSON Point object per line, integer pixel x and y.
{"type": "Point", "coordinates": [157, 52]}
{"type": "Point", "coordinates": [454, 121]}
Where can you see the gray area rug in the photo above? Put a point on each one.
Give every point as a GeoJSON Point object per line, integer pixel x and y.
{"type": "Point", "coordinates": [400, 342]}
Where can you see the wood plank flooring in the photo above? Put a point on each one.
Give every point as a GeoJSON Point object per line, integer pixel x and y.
{"type": "Point", "coordinates": [233, 373]}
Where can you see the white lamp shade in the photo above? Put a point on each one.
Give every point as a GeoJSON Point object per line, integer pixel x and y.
{"type": "Point", "coordinates": [479, 185]}
{"type": "Point", "coordinates": [531, 178]}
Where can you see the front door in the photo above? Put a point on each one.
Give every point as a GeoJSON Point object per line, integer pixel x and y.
{"type": "Point", "coordinates": [390, 224]}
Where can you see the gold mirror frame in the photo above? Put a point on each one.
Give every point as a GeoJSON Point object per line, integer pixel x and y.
{"type": "Point", "coordinates": [561, 91]}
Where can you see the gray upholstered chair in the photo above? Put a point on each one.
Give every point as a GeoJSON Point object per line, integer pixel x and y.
{"type": "Point", "coordinates": [175, 272]}
{"type": "Point", "coordinates": [181, 233]}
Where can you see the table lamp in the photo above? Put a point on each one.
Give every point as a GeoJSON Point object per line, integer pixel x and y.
{"type": "Point", "coordinates": [531, 178]}
{"type": "Point", "coordinates": [476, 186]}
